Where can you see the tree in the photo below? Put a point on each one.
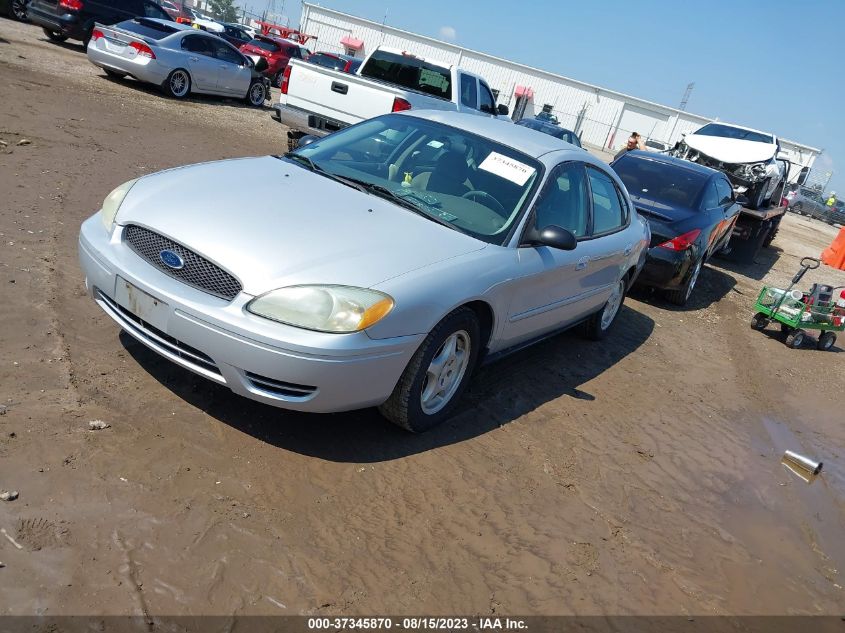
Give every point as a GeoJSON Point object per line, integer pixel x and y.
{"type": "Point", "coordinates": [224, 10]}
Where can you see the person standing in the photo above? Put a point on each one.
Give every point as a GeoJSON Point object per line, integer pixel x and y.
{"type": "Point", "coordinates": [635, 141]}
{"type": "Point", "coordinates": [832, 199]}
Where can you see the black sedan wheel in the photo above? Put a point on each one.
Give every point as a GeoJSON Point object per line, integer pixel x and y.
{"type": "Point", "coordinates": [680, 296]}
{"type": "Point", "coordinates": [277, 79]}
{"type": "Point", "coordinates": [18, 10]}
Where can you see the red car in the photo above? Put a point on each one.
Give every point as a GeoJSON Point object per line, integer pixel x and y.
{"type": "Point", "coordinates": [277, 51]}
{"type": "Point", "coordinates": [343, 63]}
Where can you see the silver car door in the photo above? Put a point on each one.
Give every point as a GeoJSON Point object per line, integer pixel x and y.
{"type": "Point", "coordinates": [549, 284]}
{"type": "Point", "coordinates": [610, 231]}
{"type": "Point", "coordinates": [199, 57]}
{"type": "Point", "coordinates": [233, 72]}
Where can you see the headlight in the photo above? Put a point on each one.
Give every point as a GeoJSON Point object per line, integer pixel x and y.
{"type": "Point", "coordinates": [323, 308]}
{"type": "Point", "coordinates": [111, 205]}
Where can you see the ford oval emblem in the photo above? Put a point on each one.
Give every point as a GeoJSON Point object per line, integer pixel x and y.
{"type": "Point", "coordinates": [171, 260]}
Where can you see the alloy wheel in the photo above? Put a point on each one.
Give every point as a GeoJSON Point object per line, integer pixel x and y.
{"type": "Point", "coordinates": [445, 372]}
{"type": "Point", "coordinates": [612, 305]}
{"type": "Point", "coordinates": [179, 83]}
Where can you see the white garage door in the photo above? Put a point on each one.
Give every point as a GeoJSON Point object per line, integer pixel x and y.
{"type": "Point", "coordinates": [635, 119]}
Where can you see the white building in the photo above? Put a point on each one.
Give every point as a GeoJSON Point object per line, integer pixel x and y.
{"type": "Point", "coordinates": [603, 118]}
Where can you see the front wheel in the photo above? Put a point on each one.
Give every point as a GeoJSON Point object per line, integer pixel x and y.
{"type": "Point", "coordinates": [795, 339]}
{"type": "Point", "coordinates": [178, 84]}
{"type": "Point", "coordinates": [759, 321]}
{"type": "Point", "coordinates": [54, 35]}
{"type": "Point", "coordinates": [257, 94]}
{"type": "Point", "coordinates": [599, 324]}
{"type": "Point", "coordinates": [437, 374]}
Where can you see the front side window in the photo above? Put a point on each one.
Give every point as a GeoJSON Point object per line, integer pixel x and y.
{"type": "Point", "coordinates": [608, 212]}
{"type": "Point", "coordinates": [226, 53]}
{"type": "Point", "coordinates": [469, 95]}
{"type": "Point", "coordinates": [473, 184]}
{"type": "Point", "coordinates": [564, 201]}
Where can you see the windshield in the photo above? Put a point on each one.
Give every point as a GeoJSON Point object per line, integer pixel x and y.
{"type": "Point", "coordinates": [727, 131]}
{"type": "Point", "coordinates": [148, 28]}
{"type": "Point", "coordinates": [265, 45]}
{"type": "Point", "coordinates": [656, 181]}
{"type": "Point", "coordinates": [473, 184]}
{"type": "Point", "coordinates": [409, 72]}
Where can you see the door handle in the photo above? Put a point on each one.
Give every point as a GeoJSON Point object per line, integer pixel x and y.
{"type": "Point", "coordinates": [339, 88]}
{"type": "Point", "coordinates": [628, 249]}
{"type": "Point", "coordinates": [582, 263]}
{"type": "Point", "coordinates": [193, 59]}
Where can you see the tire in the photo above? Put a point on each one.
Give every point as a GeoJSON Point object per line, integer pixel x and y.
{"type": "Point", "coordinates": [17, 9]}
{"type": "Point", "coordinates": [257, 94]}
{"type": "Point", "coordinates": [409, 406]}
{"type": "Point", "coordinates": [56, 37]}
{"type": "Point", "coordinates": [798, 208]}
{"type": "Point", "coordinates": [177, 84]}
{"type": "Point", "coordinates": [826, 341]}
{"type": "Point", "coordinates": [87, 37]}
{"type": "Point", "coordinates": [600, 323]}
{"type": "Point", "coordinates": [277, 79]}
{"type": "Point", "coordinates": [759, 321]}
{"type": "Point", "coordinates": [680, 296]}
{"type": "Point", "coordinates": [795, 339]}
{"type": "Point", "coordinates": [773, 231]}
{"type": "Point", "coordinates": [757, 199]}
{"type": "Point", "coordinates": [113, 74]}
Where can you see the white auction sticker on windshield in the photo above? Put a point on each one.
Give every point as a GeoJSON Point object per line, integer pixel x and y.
{"type": "Point", "coordinates": [509, 168]}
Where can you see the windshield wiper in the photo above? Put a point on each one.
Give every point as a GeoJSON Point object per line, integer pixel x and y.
{"type": "Point", "coordinates": [311, 165]}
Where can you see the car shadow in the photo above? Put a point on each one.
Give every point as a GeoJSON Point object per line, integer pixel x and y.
{"type": "Point", "coordinates": [713, 284]}
{"type": "Point", "coordinates": [153, 90]}
{"type": "Point", "coordinates": [498, 394]}
{"type": "Point", "coordinates": [763, 262]}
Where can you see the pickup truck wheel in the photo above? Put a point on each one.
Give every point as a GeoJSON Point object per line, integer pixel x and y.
{"type": "Point", "coordinates": [599, 324]}
{"type": "Point", "coordinates": [826, 341]}
{"type": "Point", "coordinates": [680, 296]}
{"type": "Point", "coordinates": [54, 35]}
{"type": "Point", "coordinates": [436, 375]}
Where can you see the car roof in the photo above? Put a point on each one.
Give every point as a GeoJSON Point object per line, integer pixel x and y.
{"type": "Point", "coordinates": [671, 160]}
{"type": "Point", "coordinates": [546, 124]}
{"type": "Point", "coordinates": [524, 139]}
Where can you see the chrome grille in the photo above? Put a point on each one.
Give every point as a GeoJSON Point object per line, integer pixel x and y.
{"type": "Point", "coordinates": [197, 271]}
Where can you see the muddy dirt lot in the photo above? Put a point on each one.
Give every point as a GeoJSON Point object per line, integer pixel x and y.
{"type": "Point", "coordinates": [640, 475]}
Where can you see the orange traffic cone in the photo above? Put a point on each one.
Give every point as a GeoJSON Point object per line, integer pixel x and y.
{"type": "Point", "coordinates": [834, 255]}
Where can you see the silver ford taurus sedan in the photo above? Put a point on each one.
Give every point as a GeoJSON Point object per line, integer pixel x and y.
{"type": "Point", "coordinates": [180, 59]}
{"type": "Point", "coordinates": [391, 258]}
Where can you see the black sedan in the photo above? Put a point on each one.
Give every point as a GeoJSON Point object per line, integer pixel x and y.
{"type": "Point", "coordinates": [691, 210]}
{"type": "Point", "coordinates": [550, 128]}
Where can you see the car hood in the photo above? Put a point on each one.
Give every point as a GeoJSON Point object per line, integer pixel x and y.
{"type": "Point", "coordinates": [731, 150]}
{"type": "Point", "coordinates": [272, 223]}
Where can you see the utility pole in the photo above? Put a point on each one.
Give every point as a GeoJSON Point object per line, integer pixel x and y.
{"type": "Point", "coordinates": [685, 98]}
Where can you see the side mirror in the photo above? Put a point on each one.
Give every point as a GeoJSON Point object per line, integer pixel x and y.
{"type": "Point", "coordinates": [552, 236]}
{"type": "Point", "coordinates": [307, 140]}
{"type": "Point", "coordinates": [261, 65]}
{"type": "Point", "coordinates": [502, 109]}
{"type": "Point", "coordinates": [742, 200]}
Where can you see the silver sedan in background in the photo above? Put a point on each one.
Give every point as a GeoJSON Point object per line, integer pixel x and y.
{"type": "Point", "coordinates": [178, 58]}
{"type": "Point", "coordinates": [388, 260]}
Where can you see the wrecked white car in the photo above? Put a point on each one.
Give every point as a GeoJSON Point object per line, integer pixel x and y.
{"type": "Point", "coordinates": [747, 157]}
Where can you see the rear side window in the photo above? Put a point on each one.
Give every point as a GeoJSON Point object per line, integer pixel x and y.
{"type": "Point", "coordinates": [409, 72]}
{"type": "Point", "coordinates": [469, 94]}
{"type": "Point", "coordinates": [710, 197]}
{"type": "Point", "coordinates": [147, 28]}
{"type": "Point", "coordinates": [608, 212]}
{"type": "Point", "coordinates": [724, 191]}
{"type": "Point", "coordinates": [265, 45]}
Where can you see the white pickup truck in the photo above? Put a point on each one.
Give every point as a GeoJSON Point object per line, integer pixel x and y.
{"type": "Point", "coordinates": [317, 100]}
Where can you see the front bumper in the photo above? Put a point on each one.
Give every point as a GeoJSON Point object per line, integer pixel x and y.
{"type": "Point", "coordinates": [665, 269]}
{"type": "Point", "coordinates": [305, 122]}
{"type": "Point", "coordinates": [265, 361]}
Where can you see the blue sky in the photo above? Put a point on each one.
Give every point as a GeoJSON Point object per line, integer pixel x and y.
{"type": "Point", "coordinates": [774, 65]}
